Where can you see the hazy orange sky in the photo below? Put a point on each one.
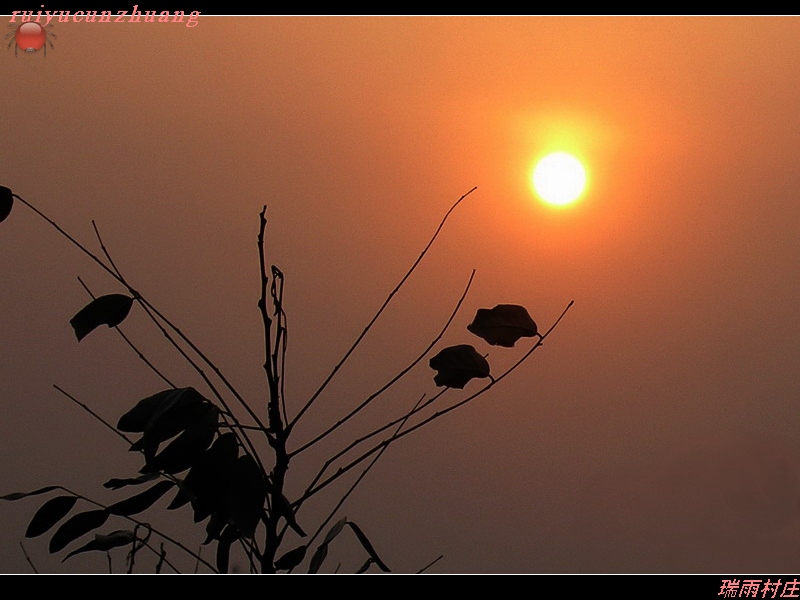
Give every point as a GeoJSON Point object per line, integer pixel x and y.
{"type": "Point", "coordinates": [654, 432]}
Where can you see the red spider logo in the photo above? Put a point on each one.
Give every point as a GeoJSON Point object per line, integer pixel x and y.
{"type": "Point", "coordinates": [30, 37]}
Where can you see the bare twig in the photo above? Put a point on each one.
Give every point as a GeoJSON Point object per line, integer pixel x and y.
{"type": "Point", "coordinates": [342, 470]}
{"type": "Point", "coordinates": [75, 242]}
{"type": "Point", "coordinates": [151, 312]}
{"type": "Point", "coordinates": [107, 255]}
{"type": "Point", "coordinates": [277, 514]}
{"type": "Point", "coordinates": [277, 432]}
{"type": "Point", "coordinates": [94, 414]}
{"type": "Point", "coordinates": [28, 558]}
{"type": "Point", "coordinates": [377, 314]}
{"type": "Point", "coordinates": [358, 480]}
{"type": "Point", "coordinates": [312, 489]}
{"type": "Point", "coordinates": [430, 564]}
{"type": "Point", "coordinates": [394, 379]}
{"type": "Point", "coordinates": [138, 352]}
{"type": "Point", "coordinates": [150, 309]}
{"type": "Point", "coordinates": [281, 340]}
{"type": "Point", "coordinates": [137, 544]}
{"type": "Point", "coordinates": [273, 402]}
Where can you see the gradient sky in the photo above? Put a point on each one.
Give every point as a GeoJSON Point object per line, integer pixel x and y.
{"type": "Point", "coordinates": [656, 431]}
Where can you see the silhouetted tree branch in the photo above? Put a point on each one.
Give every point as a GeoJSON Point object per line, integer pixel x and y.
{"type": "Point", "coordinates": [201, 451]}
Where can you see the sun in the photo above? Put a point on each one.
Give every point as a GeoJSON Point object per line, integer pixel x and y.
{"type": "Point", "coordinates": [559, 179]}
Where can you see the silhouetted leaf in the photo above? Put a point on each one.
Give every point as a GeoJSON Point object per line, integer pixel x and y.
{"type": "Point", "coordinates": [363, 568]}
{"type": "Point", "coordinates": [283, 507]}
{"type": "Point", "coordinates": [75, 527]}
{"type": "Point", "coordinates": [20, 495]}
{"type": "Point", "coordinates": [104, 543]}
{"type": "Point", "coordinates": [180, 499]}
{"type": "Point", "coordinates": [148, 411]}
{"type": "Point", "coordinates": [185, 450]}
{"type": "Point", "coordinates": [368, 547]}
{"type": "Point", "coordinates": [138, 417]}
{"type": "Point", "coordinates": [226, 538]}
{"type": "Point", "coordinates": [207, 480]}
{"type": "Point", "coordinates": [214, 528]}
{"type": "Point", "coordinates": [291, 559]}
{"type": "Point", "coordinates": [322, 551]}
{"type": "Point", "coordinates": [318, 558]}
{"type": "Point", "coordinates": [115, 484]}
{"type": "Point", "coordinates": [335, 530]}
{"type": "Point", "coordinates": [503, 325]}
{"type": "Point", "coordinates": [50, 513]}
{"type": "Point", "coordinates": [456, 365]}
{"type": "Point", "coordinates": [165, 415]}
{"type": "Point", "coordinates": [6, 202]}
{"type": "Point", "coordinates": [196, 421]}
{"type": "Point", "coordinates": [108, 310]}
{"type": "Point", "coordinates": [142, 501]}
{"type": "Point", "coordinates": [245, 497]}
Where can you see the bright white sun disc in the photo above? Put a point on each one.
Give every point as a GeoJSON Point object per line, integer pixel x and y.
{"type": "Point", "coordinates": [559, 178]}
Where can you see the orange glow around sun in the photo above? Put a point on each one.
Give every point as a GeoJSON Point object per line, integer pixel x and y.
{"type": "Point", "coordinates": [563, 149]}
{"type": "Point", "coordinates": [559, 178]}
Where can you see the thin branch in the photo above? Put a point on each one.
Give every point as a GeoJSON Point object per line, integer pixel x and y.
{"type": "Point", "coordinates": [273, 411]}
{"type": "Point", "coordinates": [94, 414]}
{"type": "Point", "coordinates": [396, 378]}
{"type": "Point", "coordinates": [118, 275]}
{"type": "Point", "coordinates": [28, 559]}
{"type": "Point", "coordinates": [430, 564]}
{"type": "Point", "coordinates": [143, 301]}
{"type": "Point", "coordinates": [150, 310]}
{"type": "Point", "coordinates": [137, 544]}
{"type": "Point", "coordinates": [192, 363]}
{"type": "Point", "coordinates": [279, 353]}
{"type": "Point", "coordinates": [356, 442]}
{"type": "Point", "coordinates": [377, 315]}
{"type": "Point", "coordinates": [124, 437]}
{"type": "Point", "coordinates": [105, 252]}
{"type": "Point", "coordinates": [359, 479]}
{"type": "Point", "coordinates": [244, 439]}
{"type": "Point", "coordinates": [342, 470]}
{"type": "Point", "coordinates": [141, 356]}
{"type": "Point", "coordinates": [75, 242]}
{"type": "Point", "coordinates": [205, 359]}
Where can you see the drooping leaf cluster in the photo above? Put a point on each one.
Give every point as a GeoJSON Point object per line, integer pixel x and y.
{"type": "Point", "coordinates": [183, 447]}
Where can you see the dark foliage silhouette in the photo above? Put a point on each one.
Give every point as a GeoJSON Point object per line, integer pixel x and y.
{"type": "Point", "coordinates": [197, 449]}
